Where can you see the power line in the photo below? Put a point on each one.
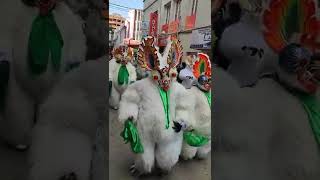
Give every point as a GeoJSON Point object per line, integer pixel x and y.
{"type": "Point", "coordinates": [121, 6]}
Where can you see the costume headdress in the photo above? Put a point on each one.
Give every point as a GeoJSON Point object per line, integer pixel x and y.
{"type": "Point", "coordinates": [286, 18]}
{"type": "Point", "coordinates": [202, 66]}
{"type": "Point", "coordinates": [163, 66]}
{"type": "Point", "coordinates": [291, 30]}
{"type": "Point", "coordinates": [123, 53]}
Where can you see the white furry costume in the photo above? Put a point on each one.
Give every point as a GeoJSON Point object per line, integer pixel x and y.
{"type": "Point", "coordinates": [142, 102]}
{"type": "Point", "coordinates": [64, 137]}
{"type": "Point", "coordinates": [26, 91]}
{"type": "Point", "coordinates": [122, 56]}
{"type": "Point", "coordinates": [201, 111]}
{"type": "Point", "coordinates": [242, 42]}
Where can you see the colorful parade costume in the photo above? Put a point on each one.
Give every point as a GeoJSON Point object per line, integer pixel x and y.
{"type": "Point", "coordinates": [201, 113]}
{"type": "Point", "coordinates": [158, 108]}
{"type": "Point", "coordinates": [43, 39]}
{"type": "Point", "coordinates": [273, 125]}
{"type": "Point", "coordinates": [121, 73]}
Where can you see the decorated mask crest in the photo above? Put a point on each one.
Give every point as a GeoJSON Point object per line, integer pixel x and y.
{"type": "Point", "coordinates": [123, 54]}
{"type": "Point", "coordinates": [162, 66]}
{"type": "Point", "coordinates": [291, 30]}
{"type": "Point", "coordinates": [202, 71]}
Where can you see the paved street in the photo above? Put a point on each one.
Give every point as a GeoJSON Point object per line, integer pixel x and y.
{"type": "Point", "coordinates": [121, 158]}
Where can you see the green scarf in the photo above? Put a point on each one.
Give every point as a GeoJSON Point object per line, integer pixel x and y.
{"type": "Point", "coordinates": [45, 39]}
{"type": "Point", "coordinates": [165, 98]}
{"type": "Point", "coordinates": [312, 107]}
{"type": "Point", "coordinates": [130, 134]}
{"type": "Point", "coordinates": [123, 75]}
{"type": "Point", "coordinates": [191, 137]}
{"type": "Point", "coordinates": [208, 95]}
{"type": "Point", "coordinates": [194, 139]}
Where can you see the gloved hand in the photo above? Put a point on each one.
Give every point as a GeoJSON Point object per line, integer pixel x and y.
{"type": "Point", "coordinates": [178, 126]}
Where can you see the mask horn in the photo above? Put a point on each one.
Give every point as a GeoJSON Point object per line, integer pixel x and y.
{"type": "Point", "coordinates": [147, 55]}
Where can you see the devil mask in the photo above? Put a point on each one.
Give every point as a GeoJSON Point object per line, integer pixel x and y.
{"type": "Point", "coordinates": [162, 66]}
{"type": "Point", "coordinates": [123, 54]}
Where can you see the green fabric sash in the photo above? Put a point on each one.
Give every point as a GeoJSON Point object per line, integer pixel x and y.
{"type": "Point", "coordinates": [312, 107]}
{"type": "Point", "coordinates": [165, 98]}
{"type": "Point", "coordinates": [194, 139]}
{"type": "Point", "coordinates": [123, 75]}
{"type": "Point", "coordinates": [208, 95]}
{"type": "Point", "coordinates": [130, 134]}
{"type": "Point", "coordinates": [45, 39]}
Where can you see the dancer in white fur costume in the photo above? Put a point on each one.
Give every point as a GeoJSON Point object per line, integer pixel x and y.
{"type": "Point", "coordinates": [159, 108]}
{"type": "Point", "coordinates": [241, 44]}
{"type": "Point", "coordinates": [198, 81]}
{"type": "Point", "coordinates": [63, 140]}
{"type": "Point", "coordinates": [43, 39]}
{"type": "Point", "coordinates": [121, 73]}
{"type": "Point", "coordinates": [275, 125]}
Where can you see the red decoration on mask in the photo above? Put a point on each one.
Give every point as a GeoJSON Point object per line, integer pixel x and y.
{"type": "Point", "coordinates": [174, 75]}
{"type": "Point", "coordinates": [155, 78]}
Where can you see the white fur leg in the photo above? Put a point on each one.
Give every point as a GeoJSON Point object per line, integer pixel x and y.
{"type": "Point", "coordinates": [145, 162]}
{"type": "Point", "coordinates": [168, 151]}
{"type": "Point", "coordinates": [114, 98]}
{"type": "Point", "coordinates": [57, 153]}
{"type": "Point", "coordinates": [188, 152]}
{"type": "Point", "coordinates": [203, 152]}
{"type": "Point", "coordinates": [19, 115]}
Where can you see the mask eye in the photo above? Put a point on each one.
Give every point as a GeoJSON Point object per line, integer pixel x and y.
{"type": "Point", "coordinates": [202, 79]}
{"type": "Point", "coordinates": [155, 77]}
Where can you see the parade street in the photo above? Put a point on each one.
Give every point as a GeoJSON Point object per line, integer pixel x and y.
{"type": "Point", "coordinates": [120, 159]}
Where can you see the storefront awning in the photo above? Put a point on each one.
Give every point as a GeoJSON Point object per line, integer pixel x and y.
{"type": "Point", "coordinates": [201, 39]}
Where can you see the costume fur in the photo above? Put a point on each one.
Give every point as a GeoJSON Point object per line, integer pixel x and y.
{"type": "Point", "coordinates": [201, 111]}
{"type": "Point", "coordinates": [25, 92]}
{"type": "Point", "coordinates": [118, 89]}
{"type": "Point", "coordinates": [141, 101]}
{"type": "Point", "coordinates": [64, 139]}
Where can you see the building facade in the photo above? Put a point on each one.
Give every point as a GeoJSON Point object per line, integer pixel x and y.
{"type": "Point", "coordinates": [116, 20]}
{"type": "Point", "coordinates": [134, 24]}
{"type": "Point", "coordinates": [189, 20]}
{"type": "Point", "coordinates": [119, 35]}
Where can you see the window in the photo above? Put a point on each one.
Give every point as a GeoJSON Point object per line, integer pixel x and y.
{"type": "Point", "coordinates": [167, 8]}
{"type": "Point", "coordinates": [194, 7]}
{"type": "Point", "coordinates": [178, 9]}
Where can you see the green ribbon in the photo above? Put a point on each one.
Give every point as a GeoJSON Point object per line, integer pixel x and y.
{"type": "Point", "coordinates": [123, 75]}
{"type": "Point", "coordinates": [130, 134]}
{"type": "Point", "coordinates": [165, 102]}
{"type": "Point", "coordinates": [45, 39]}
{"type": "Point", "coordinates": [194, 139]}
{"type": "Point", "coordinates": [312, 107]}
{"type": "Point", "coordinates": [208, 95]}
